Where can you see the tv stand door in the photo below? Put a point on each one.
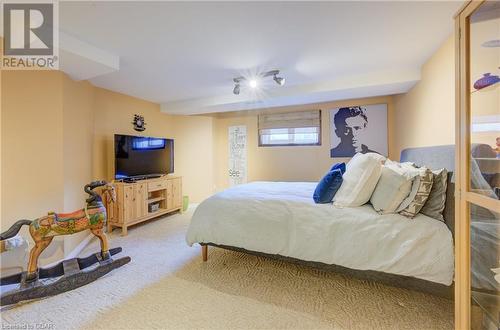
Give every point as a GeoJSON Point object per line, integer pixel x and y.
{"type": "Point", "coordinates": [128, 203]}
{"type": "Point", "coordinates": [177, 192]}
{"type": "Point", "coordinates": [170, 197]}
{"type": "Point", "coordinates": [141, 196]}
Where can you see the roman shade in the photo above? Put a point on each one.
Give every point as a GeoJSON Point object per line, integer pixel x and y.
{"type": "Point", "coordinates": [292, 128]}
{"type": "Point", "coordinates": [290, 120]}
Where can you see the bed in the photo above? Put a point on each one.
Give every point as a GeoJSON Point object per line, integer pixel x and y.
{"type": "Point", "coordinates": [280, 220]}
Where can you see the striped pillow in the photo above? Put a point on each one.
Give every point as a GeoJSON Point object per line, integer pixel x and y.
{"type": "Point", "coordinates": [420, 193]}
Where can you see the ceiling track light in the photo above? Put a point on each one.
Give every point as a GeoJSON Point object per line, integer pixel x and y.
{"type": "Point", "coordinates": [279, 80]}
{"type": "Point", "coordinates": [236, 90]}
{"type": "Point", "coordinates": [254, 82]}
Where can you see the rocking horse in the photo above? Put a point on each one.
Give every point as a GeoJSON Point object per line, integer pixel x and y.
{"type": "Point", "coordinates": [71, 271]}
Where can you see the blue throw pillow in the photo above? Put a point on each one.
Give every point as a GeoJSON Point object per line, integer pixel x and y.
{"type": "Point", "coordinates": [340, 166]}
{"type": "Point", "coordinates": [328, 186]}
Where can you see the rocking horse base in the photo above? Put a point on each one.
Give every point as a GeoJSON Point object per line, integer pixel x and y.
{"type": "Point", "coordinates": [72, 275]}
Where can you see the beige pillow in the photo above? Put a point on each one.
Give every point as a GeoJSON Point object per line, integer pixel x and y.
{"type": "Point", "coordinates": [420, 193]}
{"type": "Point", "coordinates": [407, 169]}
{"type": "Point", "coordinates": [359, 180]}
{"type": "Point", "coordinates": [410, 171]}
{"type": "Point", "coordinates": [434, 206]}
{"type": "Point", "coordinates": [391, 189]}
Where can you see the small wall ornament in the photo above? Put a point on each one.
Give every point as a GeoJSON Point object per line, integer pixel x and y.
{"type": "Point", "coordinates": [139, 123]}
{"type": "Point", "coordinates": [486, 80]}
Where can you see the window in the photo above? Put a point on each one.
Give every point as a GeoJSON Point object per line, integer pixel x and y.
{"type": "Point", "coordinates": [294, 129]}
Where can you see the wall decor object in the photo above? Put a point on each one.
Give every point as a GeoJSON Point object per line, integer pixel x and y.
{"type": "Point", "coordinates": [237, 169]}
{"type": "Point", "coordinates": [491, 43]}
{"type": "Point", "coordinates": [139, 123]}
{"type": "Point", "coordinates": [356, 129]}
{"type": "Point", "coordinates": [485, 81]}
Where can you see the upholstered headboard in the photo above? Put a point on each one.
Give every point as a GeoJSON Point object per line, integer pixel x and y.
{"type": "Point", "coordinates": [432, 157]}
{"type": "Point", "coordinates": [442, 156]}
{"type": "Point", "coordinates": [437, 157]}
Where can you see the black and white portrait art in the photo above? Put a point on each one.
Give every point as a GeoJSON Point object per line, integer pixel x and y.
{"type": "Point", "coordinates": [358, 129]}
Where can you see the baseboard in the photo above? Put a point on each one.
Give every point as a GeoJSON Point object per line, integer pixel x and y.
{"type": "Point", "coordinates": [193, 206]}
{"type": "Point", "coordinates": [80, 247]}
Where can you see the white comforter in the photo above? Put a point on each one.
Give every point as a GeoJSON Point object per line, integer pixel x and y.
{"type": "Point", "coordinates": [281, 218]}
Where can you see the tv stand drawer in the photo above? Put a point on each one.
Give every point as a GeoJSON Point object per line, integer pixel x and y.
{"type": "Point", "coordinates": [157, 185]}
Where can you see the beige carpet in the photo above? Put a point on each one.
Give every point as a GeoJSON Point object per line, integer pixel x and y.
{"type": "Point", "coordinates": [167, 286]}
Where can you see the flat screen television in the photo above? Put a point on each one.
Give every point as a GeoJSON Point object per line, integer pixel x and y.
{"type": "Point", "coordinates": [143, 157]}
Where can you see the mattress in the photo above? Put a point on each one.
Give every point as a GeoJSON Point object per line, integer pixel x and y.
{"type": "Point", "coordinates": [281, 218]}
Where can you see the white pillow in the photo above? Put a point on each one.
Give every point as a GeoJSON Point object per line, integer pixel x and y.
{"type": "Point", "coordinates": [407, 169]}
{"type": "Point", "coordinates": [410, 170]}
{"type": "Point", "coordinates": [359, 180]}
{"type": "Point", "coordinates": [391, 189]}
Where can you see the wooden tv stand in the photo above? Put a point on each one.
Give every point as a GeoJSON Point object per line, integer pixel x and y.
{"type": "Point", "coordinates": [133, 201]}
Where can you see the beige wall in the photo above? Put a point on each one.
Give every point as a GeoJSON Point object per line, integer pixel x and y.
{"type": "Point", "coordinates": [78, 132]}
{"type": "Point", "coordinates": [113, 115]}
{"type": "Point", "coordinates": [47, 136]}
{"type": "Point", "coordinates": [32, 148]}
{"type": "Point", "coordinates": [293, 163]}
{"type": "Point", "coordinates": [194, 155]}
{"type": "Point", "coordinates": [193, 139]}
{"type": "Point", "coordinates": [425, 116]}
{"type": "Point", "coordinates": [32, 138]}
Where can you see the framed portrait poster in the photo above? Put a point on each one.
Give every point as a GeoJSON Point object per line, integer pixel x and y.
{"type": "Point", "coordinates": [356, 129]}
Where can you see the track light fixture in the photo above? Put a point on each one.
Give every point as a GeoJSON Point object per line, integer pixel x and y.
{"type": "Point", "coordinates": [254, 82]}
{"type": "Point", "coordinates": [279, 80]}
{"type": "Point", "coordinates": [236, 90]}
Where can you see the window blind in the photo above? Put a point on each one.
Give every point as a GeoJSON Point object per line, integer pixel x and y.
{"type": "Point", "coordinates": [290, 120]}
{"type": "Point", "coordinates": [294, 128]}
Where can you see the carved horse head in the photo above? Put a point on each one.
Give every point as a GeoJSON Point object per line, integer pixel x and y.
{"type": "Point", "coordinates": [109, 192]}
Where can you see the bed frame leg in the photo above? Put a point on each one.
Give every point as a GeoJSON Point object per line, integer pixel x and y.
{"type": "Point", "coordinates": [204, 252]}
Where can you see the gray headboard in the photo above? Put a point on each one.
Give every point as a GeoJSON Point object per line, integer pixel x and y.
{"type": "Point", "coordinates": [432, 157]}
{"type": "Point", "coordinates": [437, 157]}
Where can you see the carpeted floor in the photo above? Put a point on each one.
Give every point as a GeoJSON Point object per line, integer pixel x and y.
{"type": "Point", "coordinates": [166, 285]}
